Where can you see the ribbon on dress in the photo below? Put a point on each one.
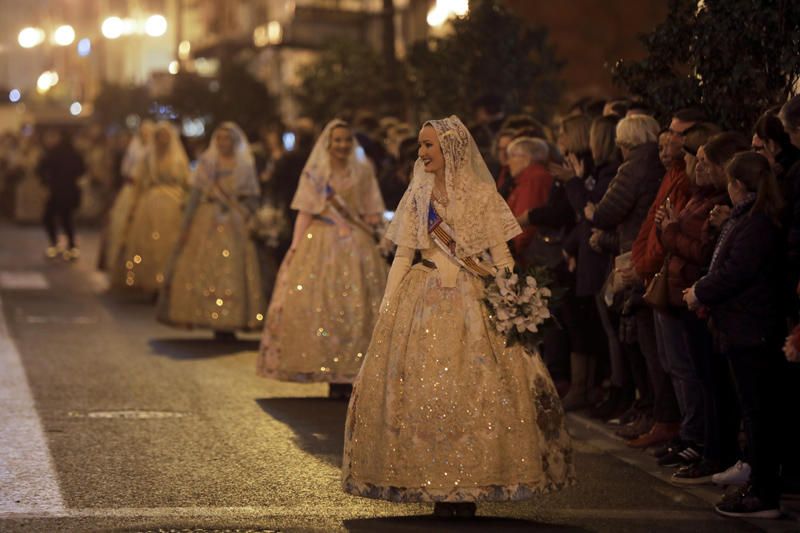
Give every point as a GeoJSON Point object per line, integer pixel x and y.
{"type": "Point", "coordinates": [442, 235]}
{"type": "Point", "coordinates": [338, 205]}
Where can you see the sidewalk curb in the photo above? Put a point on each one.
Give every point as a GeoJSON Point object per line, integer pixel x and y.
{"type": "Point", "coordinates": [601, 436]}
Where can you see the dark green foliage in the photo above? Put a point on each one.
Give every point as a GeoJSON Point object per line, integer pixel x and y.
{"type": "Point", "coordinates": [346, 77]}
{"type": "Point", "coordinates": [489, 51]}
{"type": "Point", "coordinates": [734, 58]}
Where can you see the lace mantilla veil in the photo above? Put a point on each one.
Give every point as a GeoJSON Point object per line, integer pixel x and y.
{"type": "Point", "coordinates": [245, 172]}
{"type": "Point", "coordinates": [312, 195]}
{"type": "Point", "coordinates": [175, 163]}
{"type": "Point", "coordinates": [476, 212]}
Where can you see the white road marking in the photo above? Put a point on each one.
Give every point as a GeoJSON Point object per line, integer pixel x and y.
{"type": "Point", "coordinates": [28, 482]}
{"type": "Point", "coordinates": [23, 280]}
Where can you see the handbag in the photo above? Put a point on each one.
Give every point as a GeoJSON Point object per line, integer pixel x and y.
{"type": "Point", "coordinates": [614, 284]}
{"type": "Point", "coordinates": [656, 295]}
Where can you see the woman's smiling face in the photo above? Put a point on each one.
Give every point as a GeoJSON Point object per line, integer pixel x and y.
{"type": "Point", "coordinates": [430, 151]}
{"type": "Point", "coordinates": [341, 143]}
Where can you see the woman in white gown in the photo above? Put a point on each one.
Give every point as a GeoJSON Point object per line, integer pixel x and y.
{"type": "Point", "coordinates": [213, 280]}
{"type": "Point", "coordinates": [330, 284]}
{"type": "Point", "coordinates": [443, 411]}
{"type": "Point", "coordinates": [122, 208]}
{"type": "Point", "coordinates": [151, 233]}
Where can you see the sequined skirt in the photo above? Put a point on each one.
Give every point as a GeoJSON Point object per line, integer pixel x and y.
{"type": "Point", "coordinates": [214, 279]}
{"type": "Point", "coordinates": [149, 240]}
{"type": "Point", "coordinates": [118, 220]}
{"type": "Point", "coordinates": [324, 307]}
{"type": "Point", "coordinates": [443, 411]}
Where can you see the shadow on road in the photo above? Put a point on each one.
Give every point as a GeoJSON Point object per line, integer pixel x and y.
{"type": "Point", "coordinates": [430, 523]}
{"type": "Point", "coordinates": [200, 348]}
{"type": "Point", "coordinates": [321, 435]}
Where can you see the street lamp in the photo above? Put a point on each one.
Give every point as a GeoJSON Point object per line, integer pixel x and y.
{"type": "Point", "coordinates": [47, 80]}
{"type": "Point", "coordinates": [30, 37]}
{"type": "Point", "coordinates": [445, 9]}
{"type": "Point", "coordinates": [14, 96]}
{"type": "Point", "coordinates": [75, 109]}
{"type": "Point", "coordinates": [64, 35]}
{"type": "Point", "coordinates": [112, 27]}
{"type": "Point", "coordinates": [155, 26]}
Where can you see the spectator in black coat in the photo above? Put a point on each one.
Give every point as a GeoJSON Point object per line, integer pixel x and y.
{"type": "Point", "coordinates": [60, 168]}
{"type": "Point", "coordinates": [741, 290]}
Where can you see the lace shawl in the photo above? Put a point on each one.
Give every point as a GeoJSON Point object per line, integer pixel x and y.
{"type": "Point", "coordinates": [312, 189]}
{"type": "Point", "coordinates": [477, 214]}
{"type": "Point", "coordinates": [245, 171]}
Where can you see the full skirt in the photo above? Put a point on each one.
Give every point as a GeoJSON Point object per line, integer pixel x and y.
{"type": "Point", "coordinates": [324, 307]}
{"type": "Point", "coordinates": [118, 221]}
{"type": "Point", "coordinates": [214, 277]}
{"type": "Point", "coordinates": [150, 239]}
{"type": "Point", "coordinates": [443, 410]}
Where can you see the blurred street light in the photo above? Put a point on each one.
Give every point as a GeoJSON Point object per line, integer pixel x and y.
{"type": "Point", "coordinates": [267, 34]}
{"type": "Point", "coordinates": [112, 27]}
{"type": "Point", "coordinates": [443, 10]}
{"type": "Point", "coordinates": [64, 35]}
{"type": "Point", "coordinates": [47, 80]}
{"type": "Point", "coordinates": [14, 96]}
{"type": "Point", "coordinates": [155, 26]}
{"type": "Point", "coordinates": [75, 109]}
{"type": "Point", "coordinates": [184, 49]}
{"type": "Point", "coordinates": [30, 37]}
{"type": "Point", "coordinates": [174, 67]}
{"type": "Point", "coordinates": [84, 47]}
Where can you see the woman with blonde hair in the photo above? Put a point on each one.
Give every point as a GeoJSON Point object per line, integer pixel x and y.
{"type": "Point", "coordinates": [214, 279]}
{"type": "Point", "coordinates": [444, 410]}
{"type": "Point", "coordinates": [162, 178]}
{"type": "Point", "coordinates": [330, 284]}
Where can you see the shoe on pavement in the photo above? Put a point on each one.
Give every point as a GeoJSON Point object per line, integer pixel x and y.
{"type": "Point", "coordinates": [738, 474]}
{"type": "Point", "coordinates": [51, 252]}
{"type": "Point", "coordinates": [664, 449]}
{"type": "Point", "coordinates": [637, 428]}
{"type": "Point", "coordinates": [632, 414]}
{"type": "Point", "coordinates": [659, 434]}
{"type": "Point", "coordinates": [688, 454]}
{"type": "Point", "coordinates": [747, 504]}
{"type": "Point", "coordinates": [699, 473]}
{"type": "Point", "coordinates": [71, 254]}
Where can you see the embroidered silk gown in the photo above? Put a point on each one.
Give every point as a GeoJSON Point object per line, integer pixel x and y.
{"type": "Point", "coordinates": [443, 410]}
{"type": "Point", "coordinates": [326, 297]}
{"type": "Point", "coordinates": [214, 280]}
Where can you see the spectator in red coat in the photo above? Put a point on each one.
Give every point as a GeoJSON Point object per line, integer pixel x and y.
{"type": "Point", "coordinates": [532, 182]}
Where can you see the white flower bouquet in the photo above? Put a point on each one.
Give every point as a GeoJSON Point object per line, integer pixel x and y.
{"type": "Point", "coordinates": [271, 225]}
{"type": "Point", "coordinates": [519, 304]}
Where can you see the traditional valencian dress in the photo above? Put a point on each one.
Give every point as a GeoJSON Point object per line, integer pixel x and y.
{"type": "Point", "coordinates": [119, 215]}
{"type": "Point", "coordinates": [155, 220]}
{"type": "Point", "coordinates": [214, 280]}
{"type": "Point", "coordinates": [443, 410]}
{"type": "Point", "coordinates": [327, 294]}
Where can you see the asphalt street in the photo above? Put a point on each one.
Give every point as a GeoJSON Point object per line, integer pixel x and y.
{"type": "Point", "coordinates": [112, 422]}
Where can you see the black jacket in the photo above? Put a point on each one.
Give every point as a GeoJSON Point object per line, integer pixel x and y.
{"type": "Point", "coordinates": [60, 169]}
{"type": "Point", "coordinates": [630, 194]}
{"type": "Point", "coordinates": [741, 287]}
{"type": "Point", "coordinates": [592, 267]}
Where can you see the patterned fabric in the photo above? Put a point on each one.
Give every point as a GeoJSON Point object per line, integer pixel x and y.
{"type": "Point", "coordinates": [154, 220]}
{"type": "Point", "coordinates": [214, 277]}
{"type": "Point", "coordinates": [443, 410]}
{"type": "Point", "coordinates": [324, 305]}
{"type": "Point", "coordinates": [470, 189]}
